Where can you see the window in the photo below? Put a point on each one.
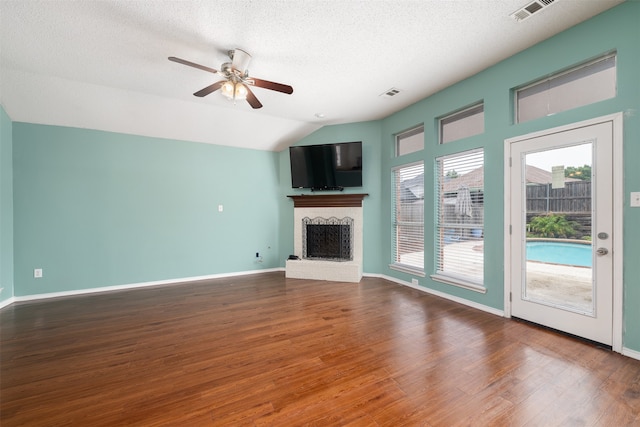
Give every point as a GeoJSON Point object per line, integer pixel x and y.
{"type": "Point", "coordinates": [583, 85]}
{"type": "Point", "coordinates": [462, 124]}
{"type": "Point", "coordinates": [460, 219]}
{"type": "Point", "coordinates": [410, 141]}
{"type": "Point", "coordinates": [408, 218]}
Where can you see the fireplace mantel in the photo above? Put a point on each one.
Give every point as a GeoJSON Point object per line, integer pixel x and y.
{"type": "Point", "coordinates": [328, 200]}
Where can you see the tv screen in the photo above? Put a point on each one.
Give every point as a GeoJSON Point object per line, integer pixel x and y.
{"type": "Point", "coordinates": [326, 166]}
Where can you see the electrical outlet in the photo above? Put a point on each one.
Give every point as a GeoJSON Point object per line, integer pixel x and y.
{"type": "Point", "coordinates": [414, 282]}
{"type": "Point", "coordinates": [37, 273]}
{"type": "Point", "coordinates": [635, 199]}
{"type": "Point", "coordinates": [220, 208]}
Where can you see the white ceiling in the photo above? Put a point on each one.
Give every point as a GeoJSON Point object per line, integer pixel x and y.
{"type": "Point", "coordinates": [103, 64]}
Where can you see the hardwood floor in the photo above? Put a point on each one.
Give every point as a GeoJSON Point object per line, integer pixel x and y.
{"type": "Point", "coordinates": [268, 351]}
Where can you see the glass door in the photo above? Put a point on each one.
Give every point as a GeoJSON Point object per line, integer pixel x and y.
{"type": "Point", "coordinates": [561, 217]}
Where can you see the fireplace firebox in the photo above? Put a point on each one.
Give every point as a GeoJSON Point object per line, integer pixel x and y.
{"type": "Point", "coordinates": [327, 238]}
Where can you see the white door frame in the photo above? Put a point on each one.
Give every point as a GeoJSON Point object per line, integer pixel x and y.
{"type": "Point", "coordinates": [618, 205]}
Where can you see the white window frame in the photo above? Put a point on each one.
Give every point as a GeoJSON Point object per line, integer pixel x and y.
{"type": "Point", "coordinates": [414, 258]}
{"type": "Point", "coordinates": [456, 233]}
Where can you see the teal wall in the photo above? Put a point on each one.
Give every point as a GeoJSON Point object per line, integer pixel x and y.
{"type": "Point", "coordinates": [369, 134]}
{"type": "Point", "coordinates": [96, 209]}
{"type": "Point", "coordinates": [617, 30]}
{"type": "Point", "coordinates": [6, 207]}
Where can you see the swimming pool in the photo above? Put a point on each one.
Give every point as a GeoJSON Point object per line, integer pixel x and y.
{"type": "Point", "coordinates": [559, 253]}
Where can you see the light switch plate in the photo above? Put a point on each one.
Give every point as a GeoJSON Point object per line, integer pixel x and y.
{"type": "Point", "coordinates": [635, 199]}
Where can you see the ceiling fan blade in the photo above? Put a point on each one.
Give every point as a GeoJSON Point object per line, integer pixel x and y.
{"type": "Point", "coordinates": [192, 64]}
{"type": "Point", "coordinates": [207, 90]}
{"type": "Point", "coordinates": [272, 85]}
{"type": "Point", "coordinates": [251, 99]}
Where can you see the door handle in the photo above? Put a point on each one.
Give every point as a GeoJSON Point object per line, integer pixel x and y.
{"type": "Point", "coordinates": [602, 251]}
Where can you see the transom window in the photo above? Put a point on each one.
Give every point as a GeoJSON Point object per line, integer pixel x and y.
{"type": "Point", "coordinates": [583, 85]}
{"type": "Point", "coordinates": [410, 141]}
{"type": "Point", "coordinates": [462, 124]}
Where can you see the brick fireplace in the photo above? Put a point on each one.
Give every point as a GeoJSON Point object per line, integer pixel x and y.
{"type": "Point", "coordinates": [327, 238]}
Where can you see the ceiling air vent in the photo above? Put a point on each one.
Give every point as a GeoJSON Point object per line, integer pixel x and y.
{"type": "Point", "coordinates": [530, 9]}
{"type": "Point", "coordinates": [390, 93]}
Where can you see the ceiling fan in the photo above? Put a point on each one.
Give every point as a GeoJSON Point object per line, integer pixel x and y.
{"type": "Point", "coordinates": [235, 83]}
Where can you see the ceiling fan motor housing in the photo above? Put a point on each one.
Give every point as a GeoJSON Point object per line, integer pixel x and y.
{"type": "Point", "coordinates": [226, 69]}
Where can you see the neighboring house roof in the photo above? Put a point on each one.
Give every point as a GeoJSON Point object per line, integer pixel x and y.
{"type": "Point", "coordinates": [412, 189]}
{"type": "Point", "coordinates": [475, 179]}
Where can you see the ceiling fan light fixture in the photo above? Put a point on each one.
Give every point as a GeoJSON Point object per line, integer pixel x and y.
{"type": "Point", "coordinates": [241, 91]}
{"type": "Point", "coordinates": [234, 90]}
{"type": "Point", "coordinates": [227, 89]}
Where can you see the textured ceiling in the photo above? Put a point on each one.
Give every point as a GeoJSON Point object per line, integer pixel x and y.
{"type": "Point", "coordinates": [103, 64]}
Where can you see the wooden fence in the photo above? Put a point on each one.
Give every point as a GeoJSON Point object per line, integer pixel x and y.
{"type": "Point", "coordinates": [573, 197]}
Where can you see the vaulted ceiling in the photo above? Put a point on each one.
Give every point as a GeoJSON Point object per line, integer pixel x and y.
{"type": "Point", "coordinates": [103, 64]}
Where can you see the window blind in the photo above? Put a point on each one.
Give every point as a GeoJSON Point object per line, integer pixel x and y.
{"type": "Point", "coordinates": [408, 216]}
{"type": "Point", "coordinates": [460, 216]}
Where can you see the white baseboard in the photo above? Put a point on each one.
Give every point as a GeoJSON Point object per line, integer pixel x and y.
{"type": "Point", "coordinates": [463, 301]}
{"type": "Point", "coordinates": [241, 273]}
{"type": "Point", "coordinates": [7, 302]}
{"type": "Point", "coordinates": [631, 353]}
{"type": "Point", "coordinates": [138, 285]}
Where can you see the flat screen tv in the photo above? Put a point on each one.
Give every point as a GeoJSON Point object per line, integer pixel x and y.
{"type": "Point", "coordinates": [326, 166]}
